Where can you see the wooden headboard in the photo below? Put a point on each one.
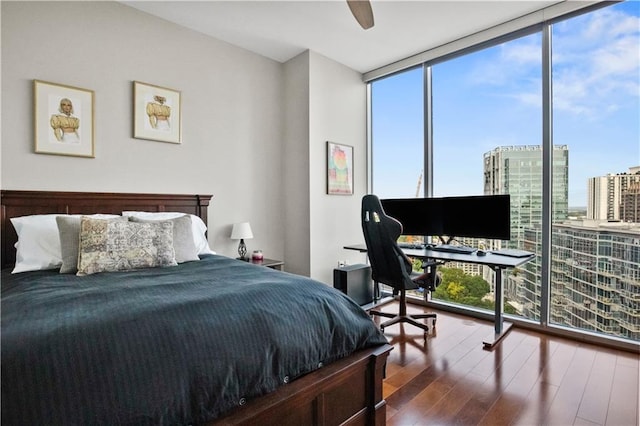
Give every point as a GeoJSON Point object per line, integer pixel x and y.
{"type": "Point", "coordinates": [23, 203]}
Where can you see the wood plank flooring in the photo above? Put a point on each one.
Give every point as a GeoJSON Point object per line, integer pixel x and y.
{"type": "Point", "coordinates": [528, 379]}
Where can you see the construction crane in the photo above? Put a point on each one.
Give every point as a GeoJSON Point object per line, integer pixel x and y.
{"type": "Point", "coordinates": [412, 238]}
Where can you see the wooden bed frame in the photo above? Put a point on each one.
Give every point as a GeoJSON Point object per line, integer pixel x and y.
{"type": "Point", "coordinates": [347, 392]}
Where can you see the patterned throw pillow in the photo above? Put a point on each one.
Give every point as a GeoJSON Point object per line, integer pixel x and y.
{"type": "Point", "coordinates": [108, 246]}
{"type": "Point", "coordinates": [69, 231]}
{"type": "Point", "coordinates": [183, 244]}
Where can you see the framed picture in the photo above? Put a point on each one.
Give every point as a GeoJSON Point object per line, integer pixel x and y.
{"type": "Point", "coordinates": [156, 113]}
{"type": "Point", "coordinates": [339, 169]}
{"type": "Point", "coordinates": [63, 120]}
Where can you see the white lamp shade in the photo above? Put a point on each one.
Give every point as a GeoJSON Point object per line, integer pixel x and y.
{"type": "Point", "coordinates": [241, 231]}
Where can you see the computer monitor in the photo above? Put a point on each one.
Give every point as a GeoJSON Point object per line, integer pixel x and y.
{"type": "Point", "coordinates": [483, 216]}
{"type": "Point", "coordinates": [418, 216]}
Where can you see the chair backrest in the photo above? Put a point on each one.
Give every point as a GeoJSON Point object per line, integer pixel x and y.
{"type": "Point", "coordinates": [389, 265]}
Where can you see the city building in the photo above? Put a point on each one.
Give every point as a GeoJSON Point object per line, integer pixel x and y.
{"type": "Point", "coordinates": [595, 277]}
{"type": "Point", "coordinates": [595, 264]}
{"type": "Point", "coordinates": [517, 171]}
{"type": "Point", "coordinates": [630, 203]}
{"type": "Point", "coordinates": [612, 197]}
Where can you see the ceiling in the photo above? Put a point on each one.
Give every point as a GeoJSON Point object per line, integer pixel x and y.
{"type": "Point", "coordinates": [280, 30]}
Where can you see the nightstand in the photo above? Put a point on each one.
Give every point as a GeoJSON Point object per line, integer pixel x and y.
{"type": "Point", "coordinates": [269, 263]}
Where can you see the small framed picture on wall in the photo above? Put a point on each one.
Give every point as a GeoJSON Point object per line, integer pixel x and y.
{"type": "Point", "coordinates": [157, 113]}
{"type": "Point", "coordinates": [63, 119]}
{"type": "Point", "coordinates": [339, 169]}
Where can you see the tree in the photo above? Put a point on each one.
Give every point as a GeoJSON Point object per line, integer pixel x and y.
{"type": "Point", "coordinates": [470, 290]}
{"type": "Point", "coordinates": [461, 288]}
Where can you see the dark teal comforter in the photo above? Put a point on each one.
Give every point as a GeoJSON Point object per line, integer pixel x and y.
{"type": "Point", "coordinates": [176, 345]}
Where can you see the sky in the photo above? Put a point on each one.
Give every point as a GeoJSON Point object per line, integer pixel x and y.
{"type": "Point", "coordinates": [493, 98]}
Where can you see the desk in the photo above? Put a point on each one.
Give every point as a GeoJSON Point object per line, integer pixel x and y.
{"type": "Point", "coordinates": [494, 261]}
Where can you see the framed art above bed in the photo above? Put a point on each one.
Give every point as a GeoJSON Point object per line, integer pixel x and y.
{"type": "Point", "coordinates": [157, 113]}
{"type": "Point", "coordinates": [63, 119]}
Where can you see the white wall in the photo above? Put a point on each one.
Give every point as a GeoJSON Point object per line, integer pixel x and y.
{"type": "Point", "coordinates": [296, 165]}
{"type": "Point", "coordinates": [337, 114]}
{"type": "Point", "coordinates": [333, 98]}
{"type": "Point", "coordinates": [231, 110]}
{"type": "Point", "coordinates": [254, 130]}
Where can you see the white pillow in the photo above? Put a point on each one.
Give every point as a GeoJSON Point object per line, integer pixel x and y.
{"type": "Point", "coordinates": [38, 245]}
{"type": "Point", "coordinates": [197, 224]}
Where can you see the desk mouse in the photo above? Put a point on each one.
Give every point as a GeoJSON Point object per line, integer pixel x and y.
{"type": "Point", "coordinates": [481, 253]}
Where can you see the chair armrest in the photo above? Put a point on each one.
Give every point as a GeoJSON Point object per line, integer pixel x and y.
{"type": "Point", "coordinates": [428, 280]}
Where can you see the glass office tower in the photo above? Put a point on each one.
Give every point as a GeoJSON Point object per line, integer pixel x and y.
{"type": "Point", "coordinates": [517, 171]}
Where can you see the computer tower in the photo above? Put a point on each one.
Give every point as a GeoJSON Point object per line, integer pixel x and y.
{"type": "Point", "coordinates": [355, 282]}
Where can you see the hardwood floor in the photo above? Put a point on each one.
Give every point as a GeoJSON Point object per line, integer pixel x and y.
{"type": "Point", "coordinates": [528, 379]}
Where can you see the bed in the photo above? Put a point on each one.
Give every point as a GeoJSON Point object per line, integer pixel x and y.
{"type": "Point", "coordinates": [213, 341]}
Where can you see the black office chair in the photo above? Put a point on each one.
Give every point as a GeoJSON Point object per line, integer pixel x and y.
{"type": "Point", "coordinates": [389, 265]}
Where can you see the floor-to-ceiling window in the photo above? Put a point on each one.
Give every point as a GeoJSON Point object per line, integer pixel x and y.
{"type": "Point", "coordinates": [485, 107]}
{"type": "Point", "coordinates": [487, 141]}
{"type": "Point", "coordinates": [397, 124]}
{"type": "Point", "coordinates": [595, 262]}
{"type": "Point", "coordinates": [397, 130]}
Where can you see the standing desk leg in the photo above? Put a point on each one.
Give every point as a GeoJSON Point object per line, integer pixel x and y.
{"type": "Point", "coordinates": [500, 328]}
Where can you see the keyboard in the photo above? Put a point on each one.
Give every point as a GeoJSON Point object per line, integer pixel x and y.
{"type": "Point", "coordinates": [449, 248]}
{"type": "Point", "coordinates": [512, 253]}
{"type": "Point", "coordinates": [415, 246]}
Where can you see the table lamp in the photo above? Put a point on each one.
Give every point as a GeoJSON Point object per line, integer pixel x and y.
{"type": "Point", "coordinates": [241, 231]}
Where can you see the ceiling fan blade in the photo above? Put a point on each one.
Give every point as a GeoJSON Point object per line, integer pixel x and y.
{"type": "Point", "coordinates": [361, 10]}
